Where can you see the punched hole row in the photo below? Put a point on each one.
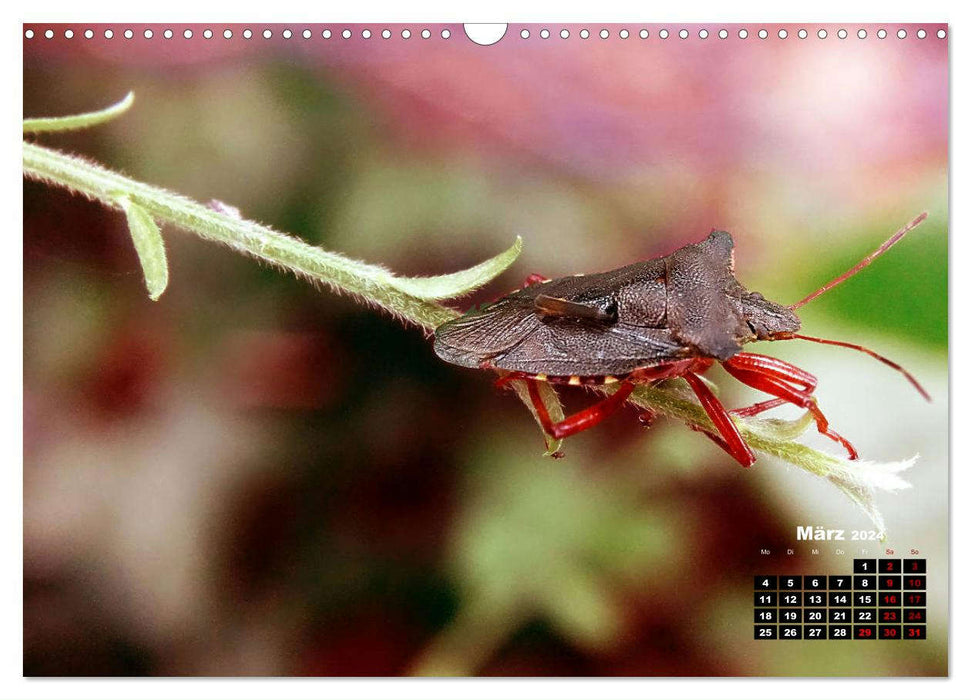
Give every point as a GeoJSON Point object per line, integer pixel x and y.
{"type": "Point", "coordinates": [446, 33]}
{"type": "Point", "coordinates": [724, 34]}
{"type": "Point", "coordinates": [245, 34]}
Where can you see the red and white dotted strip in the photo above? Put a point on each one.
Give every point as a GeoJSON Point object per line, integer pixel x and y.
{"type": "Point", "coordinates": [446, 33]}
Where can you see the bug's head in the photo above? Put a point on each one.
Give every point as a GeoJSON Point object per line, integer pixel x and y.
{"type": "Point", "coordinates": [766, 319]}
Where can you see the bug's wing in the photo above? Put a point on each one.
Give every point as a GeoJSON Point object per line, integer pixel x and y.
{"type": "Point", "coordinates": [485, 334]}
{"type": "Point", "coordinates": [590, 350]}
{"type": "Point", "coordinates": [514, 334]}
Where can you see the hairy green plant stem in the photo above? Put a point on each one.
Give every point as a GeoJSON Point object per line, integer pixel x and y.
{"type": "Point", "coordinates": [411, 299]}
{"type": "Point", "coordinates": [371, 282]}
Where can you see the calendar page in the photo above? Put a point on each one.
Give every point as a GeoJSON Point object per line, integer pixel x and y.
{"type": "Point", "coordinates": [549, 350]}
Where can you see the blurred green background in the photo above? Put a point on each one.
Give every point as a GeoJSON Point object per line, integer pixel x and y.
{"type": "Point", "coordinates": [254, 477]}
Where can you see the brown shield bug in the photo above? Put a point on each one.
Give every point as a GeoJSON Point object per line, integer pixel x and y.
{"type": "Point", "coordinates": [672, 316]}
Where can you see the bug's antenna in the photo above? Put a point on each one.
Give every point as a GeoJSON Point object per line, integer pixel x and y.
{"type": "Point", "coordinates": [868, 351]}
{"type": "Point", "coordinates": [863, 263]}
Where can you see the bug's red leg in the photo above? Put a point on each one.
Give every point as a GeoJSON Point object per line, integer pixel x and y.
{"type": "Point", "coordinates": [512, 376]}
{"type": "Point", "coordinates": [541, 412]}
{"type": "Point", "coordinates": [757, 408]}
{"type": "Point", "coordinates": [776, 377]}
{"type": "Point", "coordinates": [580, 421]}
{"type": "Point", "coordinates": [781, 369]}
{"type": "Point", "coordinates": [729, 439]}
{"type": "Point", "coordinates": [534, 397]}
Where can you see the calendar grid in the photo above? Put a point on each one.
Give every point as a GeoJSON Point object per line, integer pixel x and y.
{"type": "Point", "coordinates": [882, 599]}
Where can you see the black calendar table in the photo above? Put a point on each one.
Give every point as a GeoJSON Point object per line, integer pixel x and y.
{"type": "Point", "coordinates": [881, 599]}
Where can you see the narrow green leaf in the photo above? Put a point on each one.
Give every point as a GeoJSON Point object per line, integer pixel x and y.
{"type": "Point", "coordinates": [78, 121]}
{"type": "Point", "coordinates": [781, 430]}
{"type": "Point", "coordinates": [148, 242]}
{"type": "Point", "coordinates": [461, 283]}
